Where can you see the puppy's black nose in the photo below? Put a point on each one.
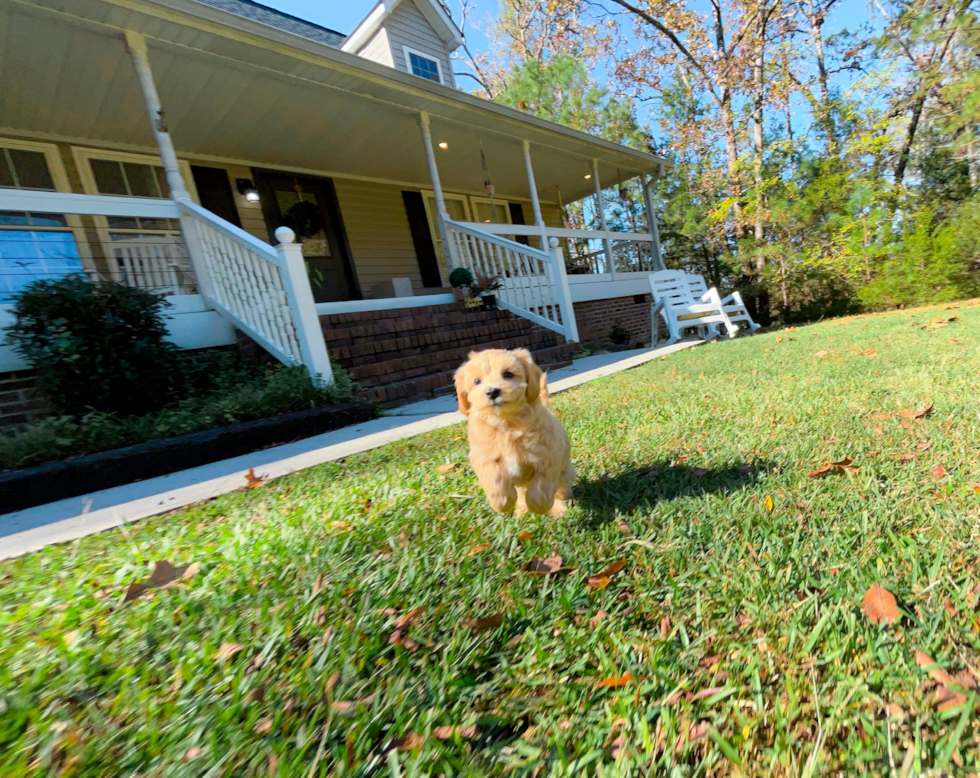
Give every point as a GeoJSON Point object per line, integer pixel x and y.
{"type": "Point", "coordinates": [493, 393]}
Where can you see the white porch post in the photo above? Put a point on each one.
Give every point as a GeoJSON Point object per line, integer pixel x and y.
{"type": "Point", "coordinates": [535, 202]}
{"type": "Point", "coordinates": [442, 215]}
{"type": "Point", "coordinates": [296, 281]}
{"type": "Point", "coordinates": [136, 44]}
{"type": "Point", "coordinates": [601, 206]}
{"type": "Point", "coordinates": [563, 292]}
{"type": "Point", "coordinates": [658, 259]}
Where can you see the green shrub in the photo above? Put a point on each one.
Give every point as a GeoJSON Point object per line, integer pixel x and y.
{"type": "Point", "coordinates": [239, 393]}
{"type": "Point", "coordinates": [95, 347]}
{"type": "Point", "coordinates": [618, 334]}
{"type": "Point", "coordinates": [460, 277]}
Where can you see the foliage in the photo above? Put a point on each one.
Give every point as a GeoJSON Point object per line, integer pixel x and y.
{"type": "Point", "coordinates": [820, 166]}
{"type": "Point", "coordinates": [95, 347]}
{"type": "Point", "coordinates": [618, 333]}
{"type": "Point", "coordinates": [485, 284]}
{"type": "Point", "coordinates": [222, 391]}
{"type": "Point", "coordinates": [460, 277]}
{"type": "Point", "coordinates": [374, 617]}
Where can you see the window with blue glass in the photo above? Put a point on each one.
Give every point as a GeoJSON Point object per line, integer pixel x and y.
{"type": "Point", "coordinates": [424, 67]}
{"type": "Point", "coordinates": [33, 246]}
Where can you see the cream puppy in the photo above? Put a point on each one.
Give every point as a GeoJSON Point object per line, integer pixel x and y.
{"type": "Point", "coordinates": [520, 452]}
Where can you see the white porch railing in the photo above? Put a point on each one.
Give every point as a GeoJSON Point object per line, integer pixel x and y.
{"type": "Point", "coordinates": [167, 247]}
{"type": "Point", "coordinates": [265, 291]}
{"type": "Point", "coordinates": [587, 251]}
{"type": "Point", "coordinates": [534, 283]}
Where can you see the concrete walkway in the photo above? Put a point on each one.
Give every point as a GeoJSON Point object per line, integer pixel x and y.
{"type": "Point", "coordinates": [34, 528]}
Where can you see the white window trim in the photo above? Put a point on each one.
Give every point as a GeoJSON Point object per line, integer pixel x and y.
{"type": "Point", "coordinates": [83, 156]}
{"type": "Point", "coordinates": [59, 177]}
{"type": "Point", "coordinates": [487, 201]}
{"type": "Point", "coordinates": [423, 55]}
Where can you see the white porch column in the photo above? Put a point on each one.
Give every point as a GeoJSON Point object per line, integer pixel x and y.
{"type": "Point", "coordinates": [658, 259]}
{"type": "Point", "coordinates": [601, 206]}
{"type": "Point", "coordinates": [535, 202]}
{"type": "Point", "coordinates": [442, 215]}
{"type": "Point", "coordinates": [563, 292]}
{"type": "Point", "coordinates": [136, 44]}
{"type": "Point", "coordinates": [296, 283]}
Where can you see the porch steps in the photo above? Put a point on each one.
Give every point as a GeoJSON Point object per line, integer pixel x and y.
{"type": "Point", "coordinates": [410, 354]}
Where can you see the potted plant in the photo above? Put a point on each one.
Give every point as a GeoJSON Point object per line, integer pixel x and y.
{"type": "Point", "coordinates": [459, 279]}
{"type": "Point", "coordinates": [483, 288]}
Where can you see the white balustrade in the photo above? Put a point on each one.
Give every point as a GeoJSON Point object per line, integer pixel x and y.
{"type": "Point", "coordinates": [533, 282]}
{"type": "Point", "coordinates": [265, 291]}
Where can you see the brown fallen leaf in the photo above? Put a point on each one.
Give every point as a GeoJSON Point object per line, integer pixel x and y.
{"type": "Point", "coordinates": [192, 753]}
{"type": "Point", "coordinates": [594, 621]}
{"type": "Point", "coordinates": [946, 695]}
{"type": "Point", "coordinates": [446, 467]}
{"type": "Point", "coordinates": [976, 486]}
{"type": "Point", "coordinates": [880, 605]}
{"type": "Point", "coordinates": [478, 548]}
{"type": "Point", "coordinates": [908, 413]}
{"type": "Point", "coordinates": [547, 566]}
{"type": "Point", "coordinates": [407, 743]}
{"type": "Point", "coordinates": [272, 766]}
{"type": "Point", "coordinates": [664, 627]}
{"type": "Point", "coordinates": [397, 638]}
{"type": "Point", "coordinates": [744, 469]}
{"type": "Point", "coordinates": [923, 446]}
{"type": "Point", "coordinates": [252, 480]}
{"type": "Point", "coordinates": [485, 622]}
{"type": "Point", "coordinates": [448, 733]}
{"type": "Point", "coordinates": [341, 525]}
{"type": "Point", "coordinates": [524, 536]}
{"type": "Point", "coordinates": [263, 727]}
{"type": "Point", "coordinates": [163, 574]}
{"type": "Point", "coordinates": [617, 746]}
{"type": "Point", "coordinates": [838, 467]}
{"type": "Point", "coordinates": [938, 472]}
{"type": "Point", "coordinates": [616, 682]}
{"type": "Point", "coordinates": [227, 651]}
{"type": "Point", "coordinates": [707, 692]}
{"type": "Point", "coordinates": [821, 354]}
{"type": "Point", "coordinates": [254, 695]}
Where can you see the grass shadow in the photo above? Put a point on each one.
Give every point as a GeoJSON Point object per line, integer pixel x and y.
{"type": "Point", "coordinates": [645, 486]}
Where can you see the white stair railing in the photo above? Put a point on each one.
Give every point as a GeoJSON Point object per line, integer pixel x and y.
{"type": "Point", "coordinates": [534, 283]}
{"type": "Point", "coordinates": [264, 291]}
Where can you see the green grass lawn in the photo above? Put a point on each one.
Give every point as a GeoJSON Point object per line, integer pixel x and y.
{"type": "Point", "coordinates": [326, 626]}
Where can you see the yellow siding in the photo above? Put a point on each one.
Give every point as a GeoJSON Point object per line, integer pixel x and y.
{"type": "Point", "coordinates": [378, 233]}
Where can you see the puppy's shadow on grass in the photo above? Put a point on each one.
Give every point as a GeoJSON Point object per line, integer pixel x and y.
{"type": "Point", "coordinates": [645, 486]}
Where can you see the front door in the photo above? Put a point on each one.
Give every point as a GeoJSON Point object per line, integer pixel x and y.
{"type": "Point", "coordinates": [308, 206]}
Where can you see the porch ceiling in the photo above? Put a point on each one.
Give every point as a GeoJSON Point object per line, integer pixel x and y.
{"type": "Point", "coordinates": [236, 90]}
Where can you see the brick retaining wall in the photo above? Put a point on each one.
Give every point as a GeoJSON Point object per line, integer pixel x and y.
{"type": "Point", "coordinates": [596, 319]}
{"type": "Point", "coordinates": [19, 403]}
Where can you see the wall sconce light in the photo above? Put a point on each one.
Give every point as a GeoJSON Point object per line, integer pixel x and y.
{"type": "Point", "coordinates": [443, 145]}
{"type": "Point", "coordinates": [247, 188]}
{"type": "Point", "coordinates": [588, 176]}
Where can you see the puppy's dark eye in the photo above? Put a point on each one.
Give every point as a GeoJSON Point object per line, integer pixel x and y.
{"type": "Point", "coordinates": [507, 374]}
{"type": "Point", "coordinates": [476, 382]}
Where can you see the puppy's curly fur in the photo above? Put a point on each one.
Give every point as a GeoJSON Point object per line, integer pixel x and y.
{"type": "Point", "coordinates": [520, 452]}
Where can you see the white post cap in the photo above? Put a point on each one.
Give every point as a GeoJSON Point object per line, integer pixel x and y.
{"type": "Point", "coordinates": [285, 235]}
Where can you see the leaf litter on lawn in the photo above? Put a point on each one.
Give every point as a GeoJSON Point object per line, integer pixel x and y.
{"type": "Point", "coordinates": [164, 574]}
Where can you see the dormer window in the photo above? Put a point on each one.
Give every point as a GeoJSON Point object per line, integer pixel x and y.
{"type": "Point", "coordinates": [422, 66]}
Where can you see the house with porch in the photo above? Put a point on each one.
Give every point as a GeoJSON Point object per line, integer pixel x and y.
{"type": "Point", "coordinates": [306, 189]}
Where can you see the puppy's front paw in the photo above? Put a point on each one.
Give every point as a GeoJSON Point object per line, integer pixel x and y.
{"type": "Point", "coordinates": [560, 508]}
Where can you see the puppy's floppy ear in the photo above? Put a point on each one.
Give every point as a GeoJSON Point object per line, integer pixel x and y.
{"type": "Point", "coordinates": [461, 397]}
{"type": "Point", "coordinates": [533, 373]}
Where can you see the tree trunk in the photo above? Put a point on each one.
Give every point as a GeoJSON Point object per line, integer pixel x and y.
{"type": "Point", "coordinates": [816, 19]}
{"type": "Point", "coordinates": [731, 154]}
{"type": "Point", "coordinates": [758, 150]}
{"type": "Point", "coordinates": [903, 158]}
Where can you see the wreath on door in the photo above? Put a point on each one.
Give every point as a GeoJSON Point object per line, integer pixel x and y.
{"type": "Point", "coordinates": [305, 219]}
